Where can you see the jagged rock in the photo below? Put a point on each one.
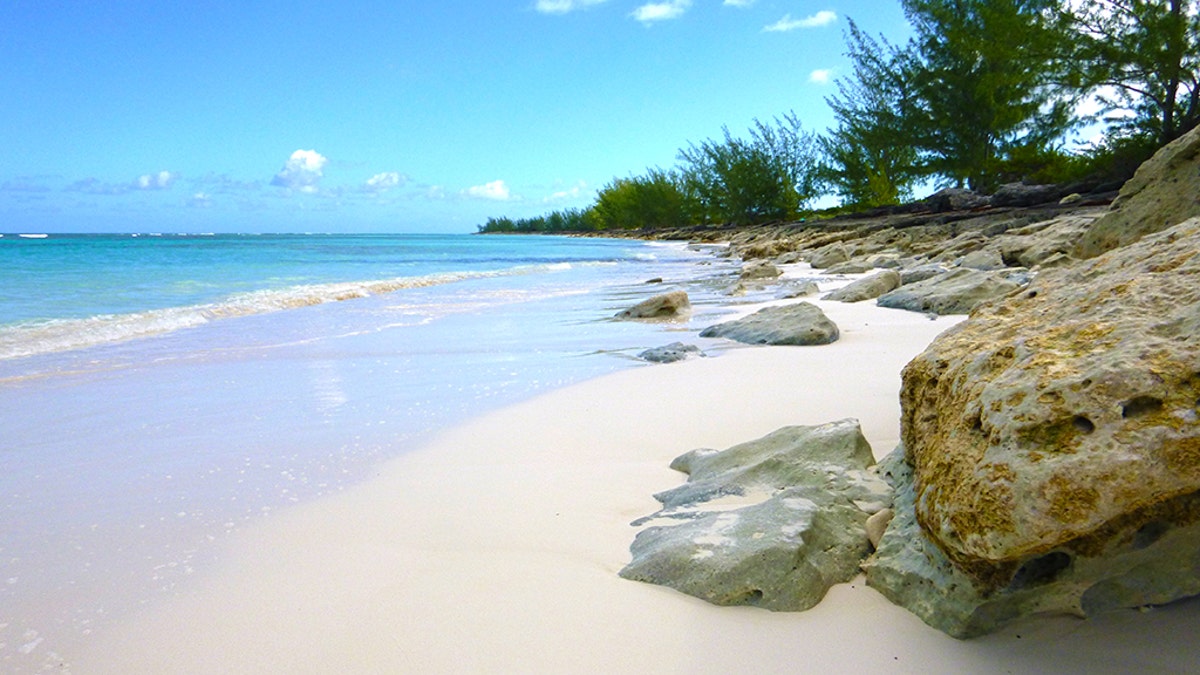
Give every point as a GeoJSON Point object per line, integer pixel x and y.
{"type": "Point", "coordinates": [867, 288]}
{"type": "Point", "coordinates": [806, 532]}
{"type": "Point", "coordinates": [955, 292]}
{"type": "Point", "coordinates": [827, 256]}
{"type": "Point", "coordinates": [665, 306]}
{"type": "Point", "coordinates": [760, 269]}
{"type": "Point", "coordinates": [798, 289]}
{"type": "Point", "coordinates": [985, 259]}
{"type": "Point", "coordinates": [676, 351]}
{"type": "Point", "coordinates": [801, 323]}
{"type": "Point", "coordinates": [1054, 439]}
{"type": "Point", "coordinates": [1032, 246]}
{"type": "Point", "coordinates": [956, 199]}
{"type": "Point", "coordinates": [1020, 194]}
{"type": "Point", "coordinates": [1162, 193]}
{"type": "Point", "coordinates": [912, 275]}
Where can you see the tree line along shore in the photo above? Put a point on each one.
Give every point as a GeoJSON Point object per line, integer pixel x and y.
{"type": "Point", "coordinates": [961, 104]}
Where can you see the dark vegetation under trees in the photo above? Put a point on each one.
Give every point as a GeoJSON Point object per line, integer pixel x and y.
{"type": "Point", "coordinates": [984, 93]}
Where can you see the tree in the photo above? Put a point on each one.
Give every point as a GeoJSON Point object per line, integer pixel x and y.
{"type": "Point", "coordinates": [985, 86]}
{"type": "Point", "coordinates": [651, 201]}
{"type": "Point", "coordinates": [1144, 56]}
{"type": "Point", "coordinates": [769, 176]}
{"type": "Point", "coordinates": [869, 158]}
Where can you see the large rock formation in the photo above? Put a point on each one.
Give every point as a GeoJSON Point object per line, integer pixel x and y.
{"type": "Point", "coordinates": [801, 323]}
{"type": "Point", "coordinates": [1163, 192]}
{"type": "Point", "coordinates": [956, 292]}
{"type": "Point", "coordinates": [665, 306]}
{"type": "Point", "coordinates": [805, 531]}
{"type": "Point", "coordinates": [1054, 440]}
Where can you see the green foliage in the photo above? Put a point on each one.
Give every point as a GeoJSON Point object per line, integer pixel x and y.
{"type": "Point", "coordinates": [767, 177]}
{"type": "Point", "coordinates": [984, 74]}
{"type": "Point", "coordinates": [1143, 57]}
{"type": "Point", "coordinates": [652, 201]}
{"type": "Point", "coordinates": [869, 161]}
{"type": "Point", "coordinates": [570, 220]}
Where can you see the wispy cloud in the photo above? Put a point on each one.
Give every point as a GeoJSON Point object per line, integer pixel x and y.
{"type": "Point", "coordinates": [572, 192]}
{"type": "Point", "coordinates": [661, 11]}
{"type": "Point", "coordinates": [95, 186]}
{"type": "Point", "coordinates": [739, 3]}
{"type": "Point", "coordinates": [496, 190]}
{"type": "Point", "coordinates": [155, 181]}
{"type": "Point", "coordinates": [200, 200]}
{"type": "Point", "coordinates": [382, 182]}
{"type": "Point", "coordinates": [302, 171]}
{"type": "Point", "coordinates": [787, 23]}
{"type": "Point", "coordinates": [820, 76]}
{"type": "Point", "coordinates": [564, 6]}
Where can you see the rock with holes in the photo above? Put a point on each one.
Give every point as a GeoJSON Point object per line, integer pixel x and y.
{"type": "Point", "coordinates": [1162, 193]}
{"type": "Point", "coordinates": [801, 323]}
{"type": "Point", "coordinates": [676, 351]}
{"type": "Point", "coordinates": [1054, 440]}
{"type": "Point", "coordinates": [808, 492]}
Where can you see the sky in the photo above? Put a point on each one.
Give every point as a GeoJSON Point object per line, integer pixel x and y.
{"type": "Point", "coordinates": [384, 116]}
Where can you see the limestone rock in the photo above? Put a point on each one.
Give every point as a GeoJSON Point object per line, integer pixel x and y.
{"type": "Point", "coordinates": [1162, 193]}
{"type": "Point", "coordinates": [850, 267]}
{"type": "Point", "coordinates": [828, 256]}
{"type": "Point", "coordinates": [912, 275]}
{"type": "Point", "coordinates": [665, 306]}
{"type": "Point", "coordinates": [760, 269]}
{"type": "Point", "coordinates": [798, 289]}
{"type": "Point", "coordinates": [911, 571]}
{"type": "Point", "coordinates": [867, 288]}
{"type": "Point", "coordinates": [955, 292]}
{"type": "Point", "coordinates": [1054, 439]}
{"type": "Point", "coordinates": [877, 524]}
{"type": "Point", "coordinates": [986, 259]}
{"type": "Point", "coordinates": [801, 323]}
{"type": "Point", "coordinates": [805, 532]}
{"type": "Point", "coordinates": [1020, 194]}
{"type": "Point", "coordinates": [676, 351]}
{"type": "Point", "coordinates": [956, 199]}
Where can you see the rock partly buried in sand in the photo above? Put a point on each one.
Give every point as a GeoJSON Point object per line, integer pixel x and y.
{"type": "Point", "coordinates": [676, 351]}
{"type": "Point", "coordinates": [798, 289]}
{"type": "Point", "coordinates": [955, 292]}
{"type": "Point", "coordinates": [1054, 440]}
{"type": "Point", "coordinates": [1162, 193]}
{"type": "Point", "coordinates": [760, 269]}
{"type": "Point", "coordinates": [801, 323]}
{"type": "Point", "coordinates": [806, 532]}
{"type": "Point", "coordinates": [665, 306]}
{"type": "Point", "coordinates": [867, 288]}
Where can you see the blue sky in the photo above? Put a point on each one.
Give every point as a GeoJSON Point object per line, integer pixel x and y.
{"type": "Point", "coordinates": [137, 116]}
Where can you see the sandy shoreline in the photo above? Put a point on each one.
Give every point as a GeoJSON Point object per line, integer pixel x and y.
{"type": "Point", "coordinates": [496, 547]}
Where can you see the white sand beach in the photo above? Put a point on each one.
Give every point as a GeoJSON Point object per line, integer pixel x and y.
{"type": "Point", "coordinates": [495, 549]}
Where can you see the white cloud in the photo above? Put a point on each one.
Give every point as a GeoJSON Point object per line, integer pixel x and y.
{"type": "Point", "coordinates": [820, 76]}
{"type": "Point", "coordinates": [787, 23]}
{"type": "Point", "coordinates": [302, 171]}
{"type": "Point", "coordinates": [571, 193]}
{"type": "Point", "coordinates": [564, 6]}
{"type": "Point", "coordinates": [739, 3]}
{"type": "Point", "coordinates": [387, 180]}
{"type": "Point", "coordinates": [155, 181]}
{"type": "Point", "coordinates": [495, 190]}
{"type": "Point", "coordinates": [661, 11]}
{"type": "Point", "coordinates": [200, 200]}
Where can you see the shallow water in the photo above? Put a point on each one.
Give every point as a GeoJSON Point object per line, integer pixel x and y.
{"type": "Point", "coordinates": [127, 461]}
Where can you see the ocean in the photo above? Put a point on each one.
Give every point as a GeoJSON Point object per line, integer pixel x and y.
{"type": "Point", "coordinates": [157, 392]}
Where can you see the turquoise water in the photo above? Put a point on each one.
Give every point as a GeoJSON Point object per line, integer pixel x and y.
{"type": "Point", "coordinates": [68, 291]}
{"type": "Point", "coordinates": [159, 392]}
